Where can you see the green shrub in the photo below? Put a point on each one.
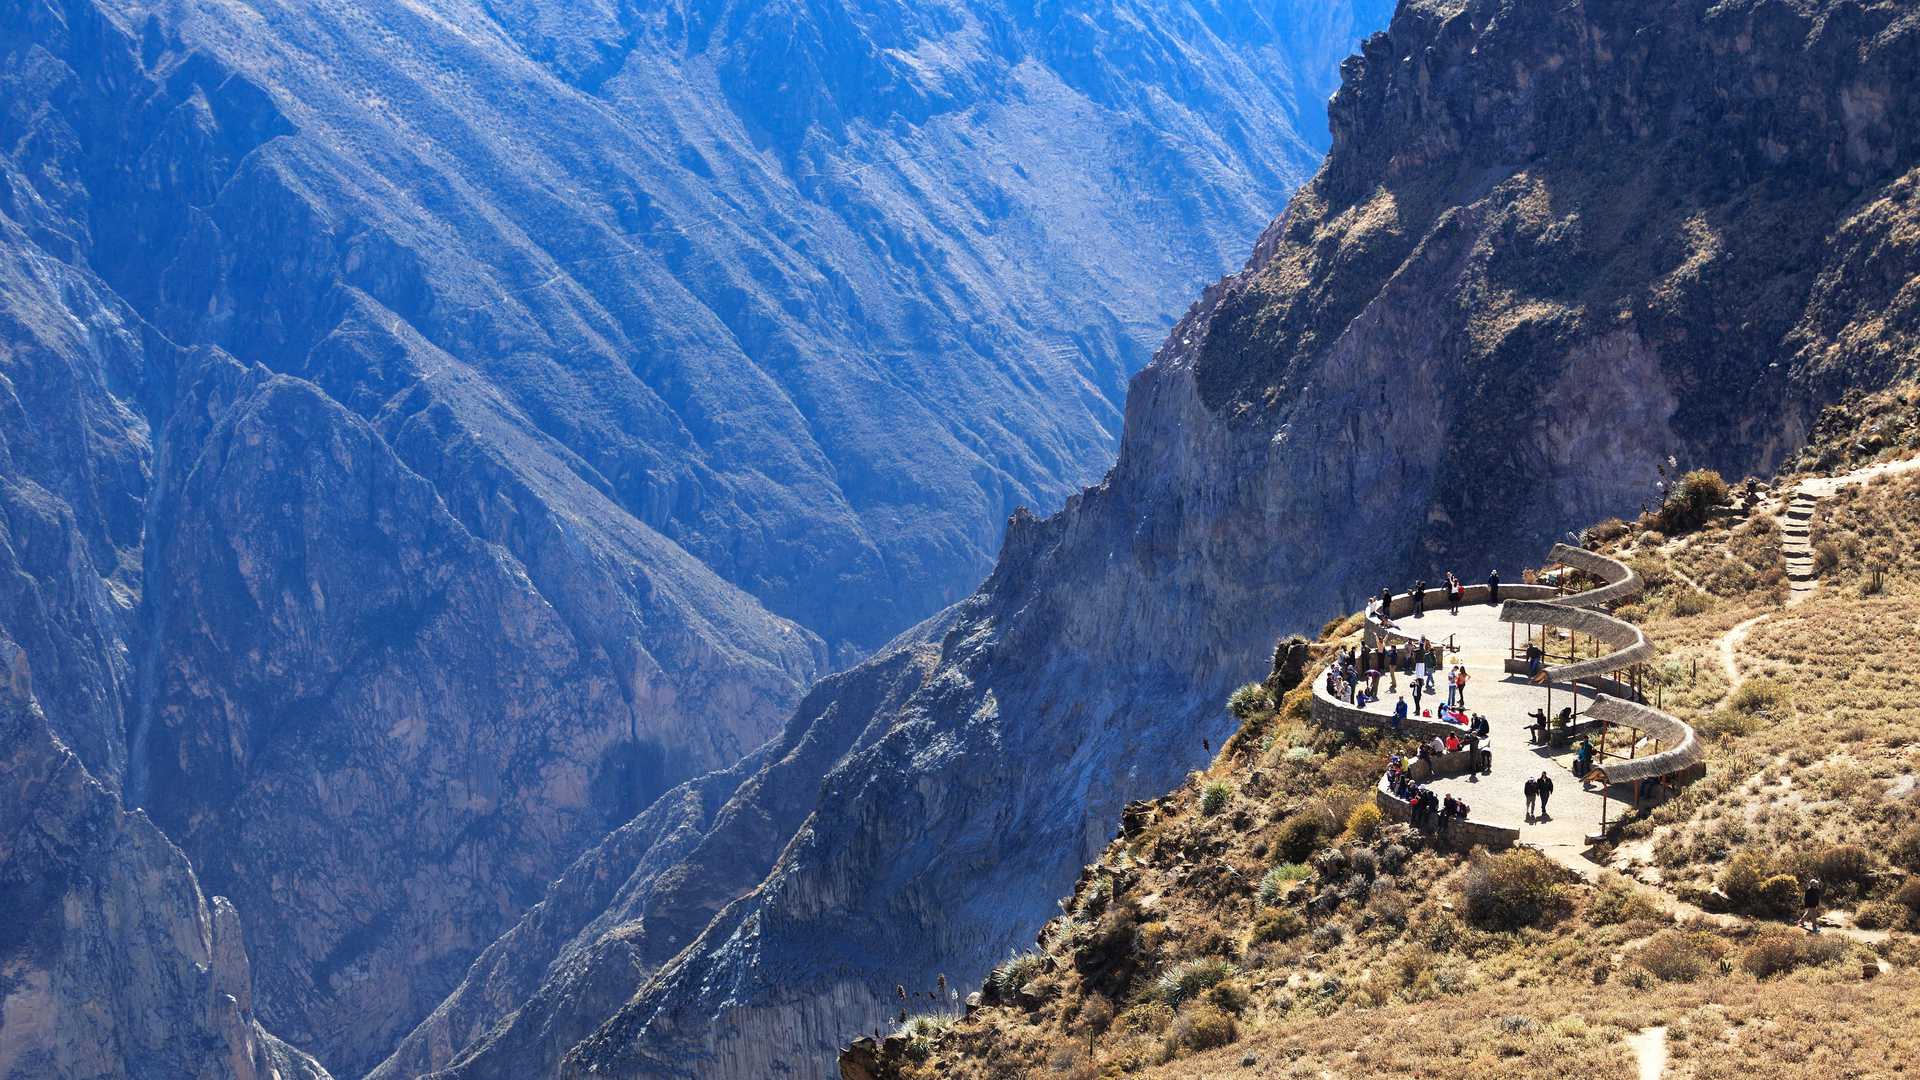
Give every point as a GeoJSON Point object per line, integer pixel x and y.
{"type": "Point", "coordinates": [1364, 821]}
{"type": "Point", "coordinates": [1249, 701]}
{"type": "Point", "coordinates": [1511, 890]}
{"type": "Point", "coordinates": [1299, 836]}
{"type": "Point", "coordinates": [1203, 1026]}
{"type": "Point", "coordinates": [1189, 979]}
{"type": "Point", "coordinates": [1690, 501]}
{"type": "Point", "coordinates": [1273, 885]}
{"type": "Point", "coordinates": [1908, 895]}
{"type": "Point", "coordinates": [1755, 885]}
{"type": "Point", "coordinates": [1215, 797]}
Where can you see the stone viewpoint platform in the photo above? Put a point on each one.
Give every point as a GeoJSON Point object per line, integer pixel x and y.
{"type": "Point", "coordinates": [1588, 651]}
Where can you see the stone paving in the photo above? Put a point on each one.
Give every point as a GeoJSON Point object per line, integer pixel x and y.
{"type": "Point", "coordinates": [1498, 798]}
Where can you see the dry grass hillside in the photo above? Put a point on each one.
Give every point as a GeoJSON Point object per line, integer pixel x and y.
{"type": "Point", "coordinates": [1262, 921]}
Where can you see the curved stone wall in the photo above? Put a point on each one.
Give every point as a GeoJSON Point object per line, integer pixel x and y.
{"type": "Point", "coordinates": [1460, 832]}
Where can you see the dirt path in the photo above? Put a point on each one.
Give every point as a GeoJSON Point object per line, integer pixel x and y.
{"type": "Point", "coordinates": [1729, 646]}
{"type": "Point", "coordinates": [1650, 1047]}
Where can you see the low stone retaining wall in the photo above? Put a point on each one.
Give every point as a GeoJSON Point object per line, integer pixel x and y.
{"type": "Point", "coordinates": [1458, 763]}
{"type": "Point", "coordinates": [1328, 712]}
{"type": "Point", "coordinates": [1457, 833]}
{"type": "Point", "coordinates": [1402, 607]}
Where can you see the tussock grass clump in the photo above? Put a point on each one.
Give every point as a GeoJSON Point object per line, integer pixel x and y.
{"type": "Point", "coordinates": [1273, 884]}
{"type": "Point", "coordinates": [1189, 979]}
{"type": "Point", "coordinates": [1616, 901]}
{"type": "Point", "coordinates": [1881, 915]}
{"type": "Point", "coordinates": [1759, 697]}
{"type": "Point", "coordinates": [1013, 973]}
{"type": "Point", "coordinates": [1755, 884]}
{"type": "Point", "coordinates": [1215, 797]}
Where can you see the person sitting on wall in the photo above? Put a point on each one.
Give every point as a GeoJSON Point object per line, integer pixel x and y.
{"type": "Point", "coordinates": [1453, 743]}
{"type": "Point", "coordinates": [1537, 731]}
{"type": "Point", "coordinates": [1479, 728]}
{"type": "Point", "coordinates": [1436, 745]}
{"type": "Point", "coordinates": [1534, 656]}
{"type": "Point", "coordinates": [1583, 757]}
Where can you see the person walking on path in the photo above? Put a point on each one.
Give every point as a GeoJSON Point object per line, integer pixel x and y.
{"type": "Point", "coordinates": [1533, 793]}
{"type": "Point", "coordinates": [1810, 913]}
{"type": "Point", "coordinates": [1545, 787]}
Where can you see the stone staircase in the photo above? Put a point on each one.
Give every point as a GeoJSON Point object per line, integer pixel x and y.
{"type": "Point", "coordinates": [1796, 544]}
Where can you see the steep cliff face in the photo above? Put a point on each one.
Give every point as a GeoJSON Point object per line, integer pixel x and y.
{"type": "Point", "coordinates": [112, 963]}
{"type": "Point", "coordinates": [434, 431]}
{"type": "Point", "coordinates": [1552, 246]}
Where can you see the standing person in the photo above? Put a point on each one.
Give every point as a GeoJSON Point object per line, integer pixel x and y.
{"type": "Point", "coordinates": [1493, 587]}
{"type": "Point", "coordinates": [1386, 603]}
{"type": "Point", "coordinates": [1533, 792]}
{"type": "Point", "coordinates": [1460, 679]}
{"type": "Point", "coordinates": [1545, 787]}
{"type": "Point", "coordinates": [1453, 594]}
{"type": "Point", "coordinates": [1419, 687]}
{"type": "Point", "coordinates": [1420, 599]}
{"type": "Point", "coordinates": [1399, 713]}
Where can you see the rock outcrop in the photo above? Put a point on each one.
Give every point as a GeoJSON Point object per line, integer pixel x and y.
{"type": "Point", "coordinates": [1553, 245]}
{"type": "Point", "coordinates": [112, 962]}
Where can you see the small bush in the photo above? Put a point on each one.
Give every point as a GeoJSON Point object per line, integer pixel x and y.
{"type": "Point", "coordinates": [1906, 848]}
{"type": "Point", "coordinates": [1780, 951]}
{"type": "Point", "coordinates": [1881, 915]}
{"type": "Point", "coordinates": [1299, 836]}
{"type": "Point", "coordinates": [1364, 821]}
{"type": "Point", "coordinates": [1679, 956]}
{"type": "Point", "coordinates": [1511, 890]}
{"type": "Point", "coordinates": [1215, 797]}
{"type": "Point", "coordinates": [1690, 501]}
{"type": "Point", "coordinates": [1759, 698]}
{"type": "Point", "coordinates": [1691, 602]}
{"type": "Point", "coordinates": [1204, 1027]}
{"type": "Point", "coordinates": [922, 1031]}
{"type": "Point", "coordinates": [1187, 980]}
{"type": "Point", "coordinates": [1842, 866]}
{"type": "Point", "coordinates": [1273, 885]}
{"type": "Point", "coordinates": [1617, 901]}
{"type": "Point", "coordinates": [1606, 531]}
{"type": "Point", "coordinates": [1249, 701]}
{"type": "Point", "coordinates": [1908, 895]}
{"type": "Point", "coordinates": [1277, 924]}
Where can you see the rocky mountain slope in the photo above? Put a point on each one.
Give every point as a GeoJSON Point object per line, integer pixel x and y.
{"type": "Point", "coordinates": [1552, 246]}
{"type": "Point", "coordinates": [114, 963]}
{"type": "Point", "coordinates": [435, 430]}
